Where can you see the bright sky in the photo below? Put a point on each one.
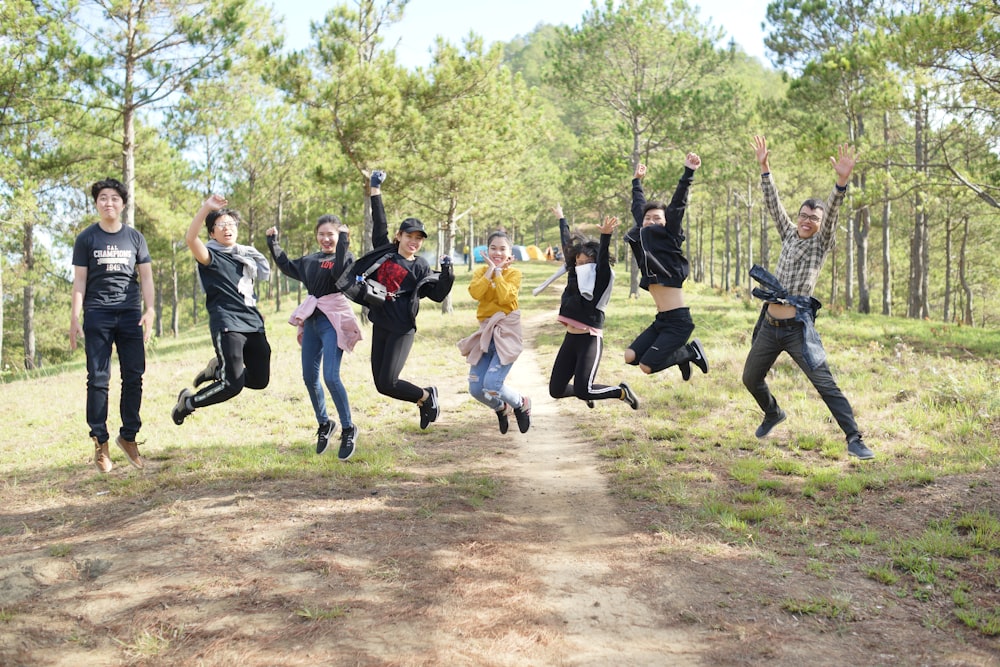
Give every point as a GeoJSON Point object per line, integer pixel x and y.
{"type": "Point", "coordinates": [503, 20]}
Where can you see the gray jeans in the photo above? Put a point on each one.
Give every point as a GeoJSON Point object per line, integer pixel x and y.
{"type": "Point", "coordinates": [770, 342]}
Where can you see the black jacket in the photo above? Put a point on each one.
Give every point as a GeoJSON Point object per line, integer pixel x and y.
{"type": "Point", "coordinates": [574, 305]}
{"type": "Point", "coordinates": [660, 250]}
{"type": "Point", "coordinates": [433, 285]}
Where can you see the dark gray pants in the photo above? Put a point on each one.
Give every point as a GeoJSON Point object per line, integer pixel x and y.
{"type": "Point", "coordinates": [772, 341]}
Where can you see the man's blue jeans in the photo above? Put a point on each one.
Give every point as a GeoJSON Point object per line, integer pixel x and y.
{"type": "Point", "coordinates": [772, 341]}
{"type": "Point", "coordinates": [102, 329]}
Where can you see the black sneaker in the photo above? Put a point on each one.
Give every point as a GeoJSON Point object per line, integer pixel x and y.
{"type": "Point", "coordinates": [502, 417]}
{"type": "Point", "coordinates": [347, 436]}
{"type": "Point", "coordinates": [590, 404]}
{"type": "Point", "coordinates": [856, 447]}
{"type": "Point", "coordinates": [629, 396]}
{"type": "Point", "coordinates": [685, 367]}
{"type": "Point", "coordinates": [181, 409]}
{"type": "Point", "coordinates": [699, 360]}
{"type": "Point", "coordinates": [523, 415]}
{"type": "Point", "coordinates": [769, 423]}
{"type": "Point", "coordinates": [323, 434]}
{"type": "Point", "coordinates": [209, 373]}
{"type": "Point", "coordinates": [430, 410]}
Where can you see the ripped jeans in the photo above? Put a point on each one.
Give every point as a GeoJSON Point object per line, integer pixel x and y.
{"type": "Point", "coordinates": [486, 381]}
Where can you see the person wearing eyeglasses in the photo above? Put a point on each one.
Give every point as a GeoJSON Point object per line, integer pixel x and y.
{"type": "Point", "coordinates": [787, 319]}
{"type": "Point", "coordinates": [228, 272]}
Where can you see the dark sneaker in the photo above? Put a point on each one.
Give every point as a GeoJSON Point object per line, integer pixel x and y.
{"type": "Point", "coordinates": [523, 415]}
{"type": "Point", "coordinates": [323, 434]}
{"type": "Point", "coordinates": [347, 437]}
{"type": "Point", "coordinates": [181, 410]}
{"type": "Point", "coordinates": [430, 410]}
{"type": "Point", "coordinates": [629, 396]}
{"type": "Point", "coordinates": [769, 423]}
{"type": "Point", "coordinates": [102, 458]}
{"type": "Point", "coordinates": [503, 415]}
{"type": "Point", "coordinates": [590, 404]}
{"type": "Point", "coordinates": [685, 367]}
{"type": "Point", "coordinates": [209, 373]}
{"type": "Point", "coordinates": [856, 447]}
{"type": "Point", "coordinates": [699, 360]}
{"type": "Point", "coordinates": [131, 449]}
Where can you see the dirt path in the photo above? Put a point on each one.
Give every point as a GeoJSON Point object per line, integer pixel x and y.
{"type": "Point", "coordinates": [587, 564]}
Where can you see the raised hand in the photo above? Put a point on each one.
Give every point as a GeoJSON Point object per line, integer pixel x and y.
{"type": "Point", "coordinates": [216, 201]}
{"type": "Point", "coordinates": [557, 211]}
{"type": "Point", "coordinates": [761, 152]}
{"type": "Point", "coordinates": [692, 161]}
{"type": "Point", "coordinates": [640, 171]}
{"type": "Point", "coordinates": [609, 224]}
{"type": "Point", "coordinates": [844, 163]}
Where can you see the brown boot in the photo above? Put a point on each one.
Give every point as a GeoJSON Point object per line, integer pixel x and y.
{"type": "Point", "coordinates": [102, 459]}
{"type": "Point", "coordinates": [131, 449]}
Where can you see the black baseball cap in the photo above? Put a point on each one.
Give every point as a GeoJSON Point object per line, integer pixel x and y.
{"type": "Point", "coordinates": [412, 225]}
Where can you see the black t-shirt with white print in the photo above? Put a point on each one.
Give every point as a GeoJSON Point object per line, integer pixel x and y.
{"type": "Point", "coordinates": [111, 259]}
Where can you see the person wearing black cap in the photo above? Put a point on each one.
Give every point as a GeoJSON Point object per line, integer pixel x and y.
{"type": "Point", "coordinates": [407, 277]}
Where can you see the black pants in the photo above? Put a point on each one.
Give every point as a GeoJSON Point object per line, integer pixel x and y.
{"type": "Point", "coordinates": [389, 353]}
{"type": "Point", "coordinates": [244, 361]}
{"type": "Point", "coordinates": [577, 360]}
{"type": "Point", "coordinates": [664, 342]}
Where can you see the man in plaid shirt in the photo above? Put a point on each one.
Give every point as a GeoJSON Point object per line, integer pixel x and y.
{"type": "Point", "coordinates": [787, 323]}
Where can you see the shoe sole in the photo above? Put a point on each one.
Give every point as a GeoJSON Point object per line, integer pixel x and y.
{"type": "Point", "coordinates": [333, 428]}
{"type": "Point", "coordinates": [185, 394]}
{"type": "Point", "coordinates": [702, 361]}
{"type": "Point", "coordinates": [138, 465]}
{"type": "Point", "coordinates": [768, 431]}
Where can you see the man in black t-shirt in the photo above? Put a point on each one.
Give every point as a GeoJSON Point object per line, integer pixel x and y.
{"type": "Point", "coordinates": [112, 278]}
{"type": "Point", "coordinates": [228, 272]}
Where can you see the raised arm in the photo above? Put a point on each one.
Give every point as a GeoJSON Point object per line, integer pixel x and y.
{"type": "Point", "coordinates": [192, 238]}
{"type": "Point", "coordinates": [638, 196]}
{"type": "Point", "coordinates": [565, 239]}
{"type": "Point", "coordinates": [843, 165]}
{"type": "Point", "coordinates": [287, 266]}
{"type": "Point", "coordinates": [380, 225]}
{"type": "Point", "coordinates": [772, 203]}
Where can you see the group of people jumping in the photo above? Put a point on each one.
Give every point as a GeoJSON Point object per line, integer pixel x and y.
{"type": "Point", "coordinates": [113, 281]}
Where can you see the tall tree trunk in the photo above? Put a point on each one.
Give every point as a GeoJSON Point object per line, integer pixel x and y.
{"type": "Point", "coordinates": [28, 249]}
{"type": "Point", "coordinates": [886, 211]}
{"type": "Point", "coordinates": [917, 300]}
{"type": "Point", "coordinates": [128, 122]}
{"type": "Point", "coordinates": [946, 315]}
{"type": "Point", "coordinates": [962, 276]}
{"type": "Point", "coordinates": [728, 255]}
{"type": "Point", "coordinates": [175, 295]}
{"type": "Point", "coordinates": [711, 252]}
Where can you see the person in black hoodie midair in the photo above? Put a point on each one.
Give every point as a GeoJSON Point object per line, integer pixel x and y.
{"type": "Point", "coordinates": [407, 277]}
{"type": "Point", "coordinates": [589, 280]}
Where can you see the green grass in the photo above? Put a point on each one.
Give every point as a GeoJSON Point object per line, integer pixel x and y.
{"type": "Point", "coordinates": [925, 395]}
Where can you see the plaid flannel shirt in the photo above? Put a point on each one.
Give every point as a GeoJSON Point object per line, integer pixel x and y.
{"type": "Point", "coordinates": [801, 259]}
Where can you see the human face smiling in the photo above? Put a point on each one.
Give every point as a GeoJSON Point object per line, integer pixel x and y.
{"type": "Point", "coordinates": [109, 205]}
{"type": "Point", "coordinates": [654, 216]}
{"type": "Point", "coordinates": [409, 243]}
{"type": "Point", "coordinates": [224, 231]}
{"type": "Point", "coordinates": [326, 234]}
{"type": "Point", "coordinates": [809, 220]}
{"type": "Point", "coordinates": [499, 250]}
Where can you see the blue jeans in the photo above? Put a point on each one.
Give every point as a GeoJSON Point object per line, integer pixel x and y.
{"type": "Point", "coordinates": [772, 341]}
{"type": "Point", "coordinates": [319, 344]}
{"type": "Point", "coordinates": [486, 381]}
{"type": "Point", "coordinates": [103, 328]}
